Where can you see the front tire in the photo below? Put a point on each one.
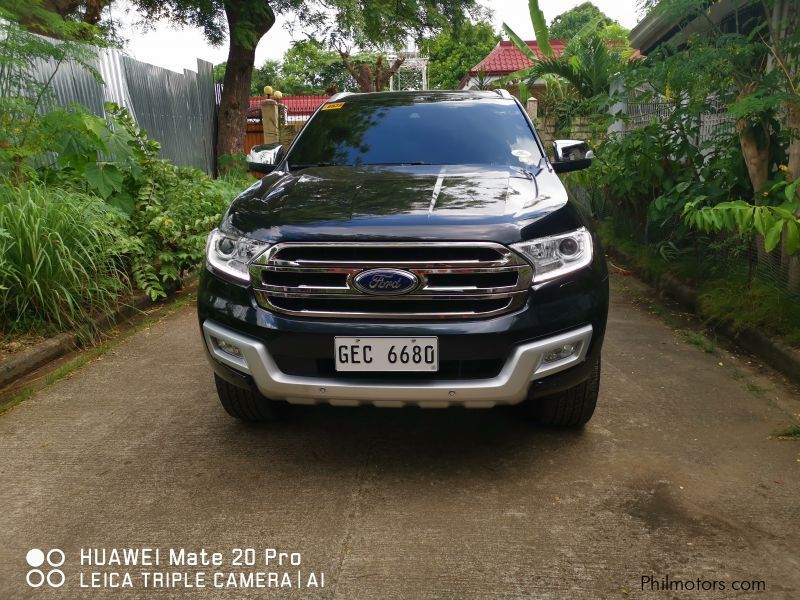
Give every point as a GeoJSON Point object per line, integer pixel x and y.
{"type": "Point", "coordinates": [571, 408]}
{"type": "Point", "coordinates": [245, 405]}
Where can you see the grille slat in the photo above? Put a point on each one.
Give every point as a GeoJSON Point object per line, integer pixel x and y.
{"type": "Point", "coordinates": [458, 280]}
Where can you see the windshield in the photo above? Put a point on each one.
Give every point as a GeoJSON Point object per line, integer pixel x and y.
{"type": "Point", "coordinates": [397, 132]}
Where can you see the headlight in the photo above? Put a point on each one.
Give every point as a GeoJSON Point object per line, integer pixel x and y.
{"type": "Point", "coordinates": [557, 255]}
{"type": "Point", "coordinates": [230, 255]}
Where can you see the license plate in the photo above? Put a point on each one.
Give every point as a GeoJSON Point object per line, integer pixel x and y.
{"type": "Point", "coordinates": [387, 353]}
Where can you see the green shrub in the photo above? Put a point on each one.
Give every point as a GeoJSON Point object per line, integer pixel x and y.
{"type": "Point", "coordinates": [60, 258]}
{"type": "Point", "coordinates": [167, 210]}
{"type": "Point", "coordinates": [173, 214]}
{"type": "Point", "coordinates": [24, 98]}
{"type": "Point", "coordinates": [86, 205]}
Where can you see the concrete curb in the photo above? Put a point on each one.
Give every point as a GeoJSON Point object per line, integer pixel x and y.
{"type": "Point", "coordinates": [28, 360]}
{"type": "Point", "coordinates": [22, 363]}
{"type": "Point", "coordinates": [775, 353]}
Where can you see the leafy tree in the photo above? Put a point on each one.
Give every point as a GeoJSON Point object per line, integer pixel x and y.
{"type": "Point", "coordinates": [24, 133]}
{"type": "Point", "coordinates": [364, 23]}
{"type": "Point", "coordinates": [377, 29]}
{"type": "Point", "coordinates": [754, 64]}
{"type": "Point", "coordinates": [308, 68]}
{"type": "Point", "coordinates": [588, 64]}
{"type": "Point", "coordinates": [311, 68]}
{"type": "Point", "coordinates": [246, 22]}
{"type": "Point", "coordinates": [566, 25]}
{"type": "Point", "coordinates": [84, 11]}
{"type": "Point", "coordinates": [219, 72]}
{"type": "Point", "coordinates": [452, 53]}
{"type": "Point", "coordinates": [371, 77]}
{"type": "Point", "coordinates": [268, 73]}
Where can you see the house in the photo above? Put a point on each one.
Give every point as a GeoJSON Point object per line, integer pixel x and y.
{"type": "Point", "coordinates": [503, 60]}
{"type": "Point", "coordinates": [658, 27]}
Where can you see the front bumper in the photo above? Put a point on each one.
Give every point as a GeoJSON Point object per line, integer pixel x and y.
{"type": "Point", "coordinates": [510, 386]}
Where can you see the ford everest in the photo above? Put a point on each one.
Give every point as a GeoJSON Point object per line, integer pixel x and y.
{"type": "Point", "coordinates": [409, 248]}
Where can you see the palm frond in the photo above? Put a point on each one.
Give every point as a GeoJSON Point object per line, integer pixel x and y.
{"type": "Point", "coordinates": [540, 28]}
{"type": "Point", "coordinates": [520, 44]}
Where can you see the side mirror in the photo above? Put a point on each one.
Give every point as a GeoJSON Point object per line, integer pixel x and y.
{"type": "Point", "coordinates": [571, 155]}
{"type": "Point", "coordinates": [264, 157]}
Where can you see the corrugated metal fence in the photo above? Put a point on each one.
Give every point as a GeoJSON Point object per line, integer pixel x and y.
{"type": "Point", "coordinates": [178, 110]}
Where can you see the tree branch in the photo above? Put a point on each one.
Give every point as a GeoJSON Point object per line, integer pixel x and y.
{"type": "Point", "coordinates": [347, 65]}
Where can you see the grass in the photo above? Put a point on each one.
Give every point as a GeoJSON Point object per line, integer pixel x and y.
{"type": "Point", "coordinates": [642, 259]}
{"type": "Point", "coordinates": [59, 259]}
{"type": "Point", "coordinates": [756, 389]}
{"type": "Point", "coordinates": [699, 340]}
{"type": "Point", "coordinates": [67, 256]}
{"type": "Point", "coordinates": [792, 432]}
{"type": "Point", "coordinates": [724, 296]}
{"type": "Point", "coordinates": [753, 305]}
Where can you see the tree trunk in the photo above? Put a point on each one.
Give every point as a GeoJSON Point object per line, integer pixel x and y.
{"type": "Point", "coordinates": [235, 100]}
{"type": "Point", "coordinates": [70, 9]}
{"type": "Point", "coordinates": [756, 157]}
{"type": "Point", "coordinates": [793, 120]}
{"type": "Point", "coordinates": [63, 8]}
{"type": "Point", "coordinates": [370, 79]}
{"type": "Point", "coordinates": [382, 76]}
{"type": "Point", "coordinates": [363, 75]}
{"type": "Point", "coordinates": [94, 10]}
{"type": "Point", "coordinates": [364, 79]}
{"type": "Point", "coordinates": [33, 19]}
{"type": "Point", "coordinates": [242, 25]}
{"type": "Point", "coordinates": [783, 22]}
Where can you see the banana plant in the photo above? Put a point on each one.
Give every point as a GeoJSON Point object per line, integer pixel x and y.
{"type": "Point", "coordinates": [587, 62]}
{"type": "Point", "coordinates": [539, 28]}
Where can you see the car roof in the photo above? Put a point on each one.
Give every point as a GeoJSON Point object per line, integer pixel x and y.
{"type": "Point", "coordinates": [421, 96]}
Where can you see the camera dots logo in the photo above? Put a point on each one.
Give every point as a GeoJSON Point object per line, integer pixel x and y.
{"type": "Point", "coordinates": [51, 574]}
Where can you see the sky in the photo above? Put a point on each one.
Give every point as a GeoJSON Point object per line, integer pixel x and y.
{"type": "Point", "coordinates": [179, 49]}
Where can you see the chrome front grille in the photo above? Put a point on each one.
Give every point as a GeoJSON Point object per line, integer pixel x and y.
{"type": "Point", "coordinates": [457, 280]}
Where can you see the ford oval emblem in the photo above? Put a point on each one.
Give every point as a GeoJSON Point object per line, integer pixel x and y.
{"type": "Point", "coordinates": [385, 282]}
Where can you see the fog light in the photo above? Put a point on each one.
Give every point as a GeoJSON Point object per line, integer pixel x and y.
{"type": "Point", "coordinates": [228, 348]}
{"type": "Point", "coordinates": [560, 353]}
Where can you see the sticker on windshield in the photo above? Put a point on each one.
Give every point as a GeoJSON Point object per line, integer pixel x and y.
{"type": "Point", "coordinates": [524, 156]}
{"type": "Point", "coordinates": [333, 106]}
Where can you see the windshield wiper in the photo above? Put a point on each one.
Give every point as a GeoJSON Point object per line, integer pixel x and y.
{"type": "Point", "coordinates": [528, 172]}
{"type": "Point", "coordinates": [531, 174]}
{"type": "Point", "coordinates": [310, 165]}
{"type": "Point", "coordinates": [410, 163]}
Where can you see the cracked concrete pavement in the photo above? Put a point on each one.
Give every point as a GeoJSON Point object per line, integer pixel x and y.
{"type": "Point", "coordinates": [675, 476]}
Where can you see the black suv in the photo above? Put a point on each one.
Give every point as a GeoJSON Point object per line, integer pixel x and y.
{"type": "Point", "coordinates": [410, 248]}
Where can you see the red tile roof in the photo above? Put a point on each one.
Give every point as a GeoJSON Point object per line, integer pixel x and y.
{"type": "Point", "coordinates": [505, 58]}
{"type": "Point", "coordinates": [296, 106]}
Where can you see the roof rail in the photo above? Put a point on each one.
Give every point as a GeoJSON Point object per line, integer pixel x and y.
{"type": "Point", "coordinates": [504, 93]}
{"type": "Point", "coordinates": [338, 96]}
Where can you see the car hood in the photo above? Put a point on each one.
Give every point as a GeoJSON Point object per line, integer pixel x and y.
{"type": "Point", "coordinates": [426, 202]}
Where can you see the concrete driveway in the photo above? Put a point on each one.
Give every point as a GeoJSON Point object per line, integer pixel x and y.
{"type": "Point", "coordinates": [675, 477]}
